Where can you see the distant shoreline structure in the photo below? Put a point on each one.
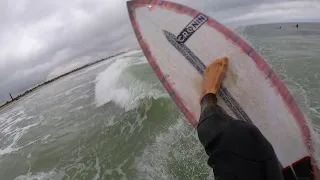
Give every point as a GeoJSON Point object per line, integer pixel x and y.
{"type": "Point", "coordinates": [56, 78]}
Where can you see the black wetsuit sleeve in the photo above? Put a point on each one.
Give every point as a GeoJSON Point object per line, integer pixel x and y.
{"type": "Point", "coordinates": [237, 150]}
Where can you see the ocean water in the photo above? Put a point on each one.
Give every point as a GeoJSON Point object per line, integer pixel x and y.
{"type": "Point", "coordinates": [115, 121]}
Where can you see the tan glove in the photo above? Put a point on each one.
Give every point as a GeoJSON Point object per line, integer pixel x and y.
{"type": "Point", "coordinates": [213, 76]}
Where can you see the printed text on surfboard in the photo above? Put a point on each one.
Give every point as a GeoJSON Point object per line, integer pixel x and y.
{"type": "Point", "coordinates": [191, 28]}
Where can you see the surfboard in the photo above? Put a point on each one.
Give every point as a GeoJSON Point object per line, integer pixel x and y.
{"type": "Point", "coordinates": [179, 42]}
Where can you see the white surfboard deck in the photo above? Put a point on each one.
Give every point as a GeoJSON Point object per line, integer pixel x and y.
{"type": "Point", "coordinates": [250, 83]}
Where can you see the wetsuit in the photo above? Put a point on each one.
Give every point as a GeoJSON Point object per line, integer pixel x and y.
{"type": "Point", "coordinates": [237, 150]}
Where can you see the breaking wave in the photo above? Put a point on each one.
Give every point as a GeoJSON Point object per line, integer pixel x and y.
{"type": "Point", "coordinates": [123, 84]}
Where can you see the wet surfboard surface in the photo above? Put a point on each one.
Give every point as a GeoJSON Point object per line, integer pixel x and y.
{"type": "Point", "coordinates": [179, 42]}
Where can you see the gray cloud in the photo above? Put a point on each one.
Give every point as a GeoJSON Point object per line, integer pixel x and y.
{"type": "Point", "coordinates": [37, 36]}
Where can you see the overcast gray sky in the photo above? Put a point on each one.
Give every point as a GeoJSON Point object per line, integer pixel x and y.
{"type": "Point", "coordinates": [40, 38]}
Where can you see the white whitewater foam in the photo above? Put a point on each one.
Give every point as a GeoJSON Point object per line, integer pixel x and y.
{"type": "Point", "coordinates": [52, 175]}
{"type": "Point", "coordinates": [110, 85]}
{"type": "Point", "coordinates": [11, 132]}
{"type": "Point", "coordinates": [98, 168]}
{"type": "Point", "coordinates": [16, 136]}
{"type": "Point", "coordinates": [154, 163]}
{"type": "Point", "coordinates": [109, 122]}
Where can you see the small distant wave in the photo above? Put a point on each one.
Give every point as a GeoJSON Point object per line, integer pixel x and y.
{"type": "Point", "coordinates": [116, 84]}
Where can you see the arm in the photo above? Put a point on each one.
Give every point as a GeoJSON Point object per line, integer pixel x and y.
{"type": "Point", "coordinates": [236, 149]}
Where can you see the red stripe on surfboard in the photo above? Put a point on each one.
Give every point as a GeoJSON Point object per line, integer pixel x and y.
{"type": "Point", "coordinates": [261, 64]}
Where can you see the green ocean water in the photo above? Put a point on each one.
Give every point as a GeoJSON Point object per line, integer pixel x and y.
{"type": "Point", "coordinates": [115, 121]}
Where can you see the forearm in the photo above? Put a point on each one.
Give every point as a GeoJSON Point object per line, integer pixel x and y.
{"type": "Point", "coordinates": [213, 120]}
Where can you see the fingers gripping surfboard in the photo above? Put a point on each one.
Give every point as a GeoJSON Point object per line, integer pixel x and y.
{"type": "Point", "coordinates": [179, 42]}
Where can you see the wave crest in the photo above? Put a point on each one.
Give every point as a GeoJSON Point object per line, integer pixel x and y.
{"type": "Point", "coordinates": [124, 86]}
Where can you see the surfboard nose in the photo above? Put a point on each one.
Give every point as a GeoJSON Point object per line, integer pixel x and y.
{"type": "Point", "coordinates": [130, 8]}
{"type": "Point", "coordinates": [129, 4]}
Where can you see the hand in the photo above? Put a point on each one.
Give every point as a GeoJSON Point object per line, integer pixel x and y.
{"type": "Point", "coordinates": [213, 76]}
